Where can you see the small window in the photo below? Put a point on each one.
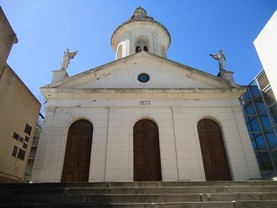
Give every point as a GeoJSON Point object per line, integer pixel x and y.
{"type": "Point", "coordinates": [14, 153]}
{"type": "Point", "coordinates": [15, 136]}
{"type": "Point", "coordinates": [141, 45]}
{"type": "Point", "coordinates": [138, 49]}
{"type": "Point", "coordinates": [143, 77]}
{"type": "Point", "coordinates": [28, 129]}
{"type": "Point", "coordinates": [21, 154]}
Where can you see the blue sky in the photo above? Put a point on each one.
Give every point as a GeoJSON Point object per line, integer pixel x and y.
{"type": "Point", "coordinates": [197, 28]}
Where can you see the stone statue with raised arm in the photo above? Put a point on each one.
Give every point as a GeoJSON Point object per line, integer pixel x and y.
{"type": "Point", "coordinates": [66, 58]}
{"type": "Point", "coordinates": [221, 59]}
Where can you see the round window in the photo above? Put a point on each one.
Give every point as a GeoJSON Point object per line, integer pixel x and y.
{"type": "Point", "coordinates": [143, 77]}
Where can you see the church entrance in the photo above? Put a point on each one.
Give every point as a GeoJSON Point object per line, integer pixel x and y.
{"type": "Point", "coordinates": [213, 151]}
{"type": "Point", "coordinates": [78, 151]}
{"type": "Point", "coordinates": [147, 163]}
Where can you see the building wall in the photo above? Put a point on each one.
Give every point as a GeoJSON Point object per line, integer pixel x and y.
{"type": "Point", "coordinates": [266, 46]}
{"type": "Point", "coordinates": [7, 39]}
{"type": "Point", "coordinates": [259, 101]}
{"type": "Point", "coordinates": [113, 120]}
{"type": "Point", "coordinates": [260, 112]}
{"type": "Point", "coordinates": [31, 159]}
{"type": "Point", "coordinates": [19, 112]}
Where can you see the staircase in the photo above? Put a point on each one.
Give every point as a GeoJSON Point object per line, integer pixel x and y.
{"type": "Point", "coordinates": [245, 194]}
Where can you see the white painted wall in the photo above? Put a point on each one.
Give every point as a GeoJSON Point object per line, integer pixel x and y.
{"type": "Point", "coordinates": [112, 145]}
{"type": "Point", "coordinates": [266, 46]}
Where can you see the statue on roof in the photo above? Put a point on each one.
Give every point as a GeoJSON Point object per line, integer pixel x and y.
{"type": "Point", "coordinates": [221, 59]}
{"type": "Point", "coordinates": [66, 58]}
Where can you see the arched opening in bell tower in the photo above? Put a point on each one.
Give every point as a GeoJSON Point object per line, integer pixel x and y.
{"type": "Point", "coordinates": [119, 52]}
{"type": "Point", "coordinates": [142, 45]}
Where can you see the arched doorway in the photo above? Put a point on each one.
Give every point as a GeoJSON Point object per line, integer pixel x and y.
{"type": "Point", "coordinates": [213, 151]}
{"type": "Point", "coordinates": [147, 163]}
{"type": "Point", "coordinates": [78, 151]}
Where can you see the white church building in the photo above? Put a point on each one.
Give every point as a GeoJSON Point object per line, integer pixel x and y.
{"type": "Point", "coordinates": [143, 117]}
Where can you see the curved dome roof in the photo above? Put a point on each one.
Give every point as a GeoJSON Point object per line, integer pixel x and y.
{"type": "Point", "coordinates": [140, 14]}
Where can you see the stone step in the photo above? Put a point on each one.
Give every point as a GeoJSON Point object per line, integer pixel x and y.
{"type": "Point", "coordinates": [30, 190]}
{"type": "Point", "coordinates": [233, 204]}
{"type": "Point", "coordinates": [162, 190]}
{"type": "Point", "coordinates": [238, 204]}
{"type": "Point", "coordinates": [142, 194]}
{"type": "Point", "coordinates": [150, 184]}
{"type": "Point", "coordinates": [188, 183]}
{"type": "Point", "coordinates": [256, 204]}
{"type": "Point", "coordinates": [170, 190]}
{"type": "Point", "coordinates": [137, 198]}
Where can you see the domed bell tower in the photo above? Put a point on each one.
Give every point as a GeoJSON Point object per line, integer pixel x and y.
{"type": "Point", "coordinates": [140, 33]}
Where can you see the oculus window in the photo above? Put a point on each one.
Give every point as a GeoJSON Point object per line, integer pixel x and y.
{"type": "Point", "coordinates": [143, 77]}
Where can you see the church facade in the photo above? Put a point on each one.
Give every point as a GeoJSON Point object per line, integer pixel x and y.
{"type": "Point", "coordinates": [143, 117]}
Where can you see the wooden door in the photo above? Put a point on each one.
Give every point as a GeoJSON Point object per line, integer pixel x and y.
{"type": "Point", "coordinates": [147, 163]}
{"type": "Point", "coordinates": [78, 151]}
{"type": "Point", "coordinates": [213, 151]}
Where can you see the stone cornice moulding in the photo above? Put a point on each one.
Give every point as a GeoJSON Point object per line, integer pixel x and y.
{"type": "Point", "coordinates": [177, 93]}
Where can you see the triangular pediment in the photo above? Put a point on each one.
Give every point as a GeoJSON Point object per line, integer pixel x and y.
{"type": "Point", "coordinates": [124, 73]}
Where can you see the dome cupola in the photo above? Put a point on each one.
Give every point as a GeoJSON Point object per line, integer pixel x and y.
{"type": "Point", "coordinates": [140, 33]}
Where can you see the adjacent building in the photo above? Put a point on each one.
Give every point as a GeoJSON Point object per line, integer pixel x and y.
{"type": "Point", "coordinates": [18, 112]}
{"type": "Point", "coordinates": [143, 117]}
{"type": "Point", "coordinates": [260, 112]}
{"type": "Point", "coordinates": [266, 46]}
{"type": "Point", "coordinates": [259, 101]}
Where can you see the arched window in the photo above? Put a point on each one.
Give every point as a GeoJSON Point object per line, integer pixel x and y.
{"type": "Point", "coordinates": [119, 52]}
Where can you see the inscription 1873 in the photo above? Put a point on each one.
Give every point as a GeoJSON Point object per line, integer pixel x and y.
{"type": "Point", "coordinates": [144, 102]}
